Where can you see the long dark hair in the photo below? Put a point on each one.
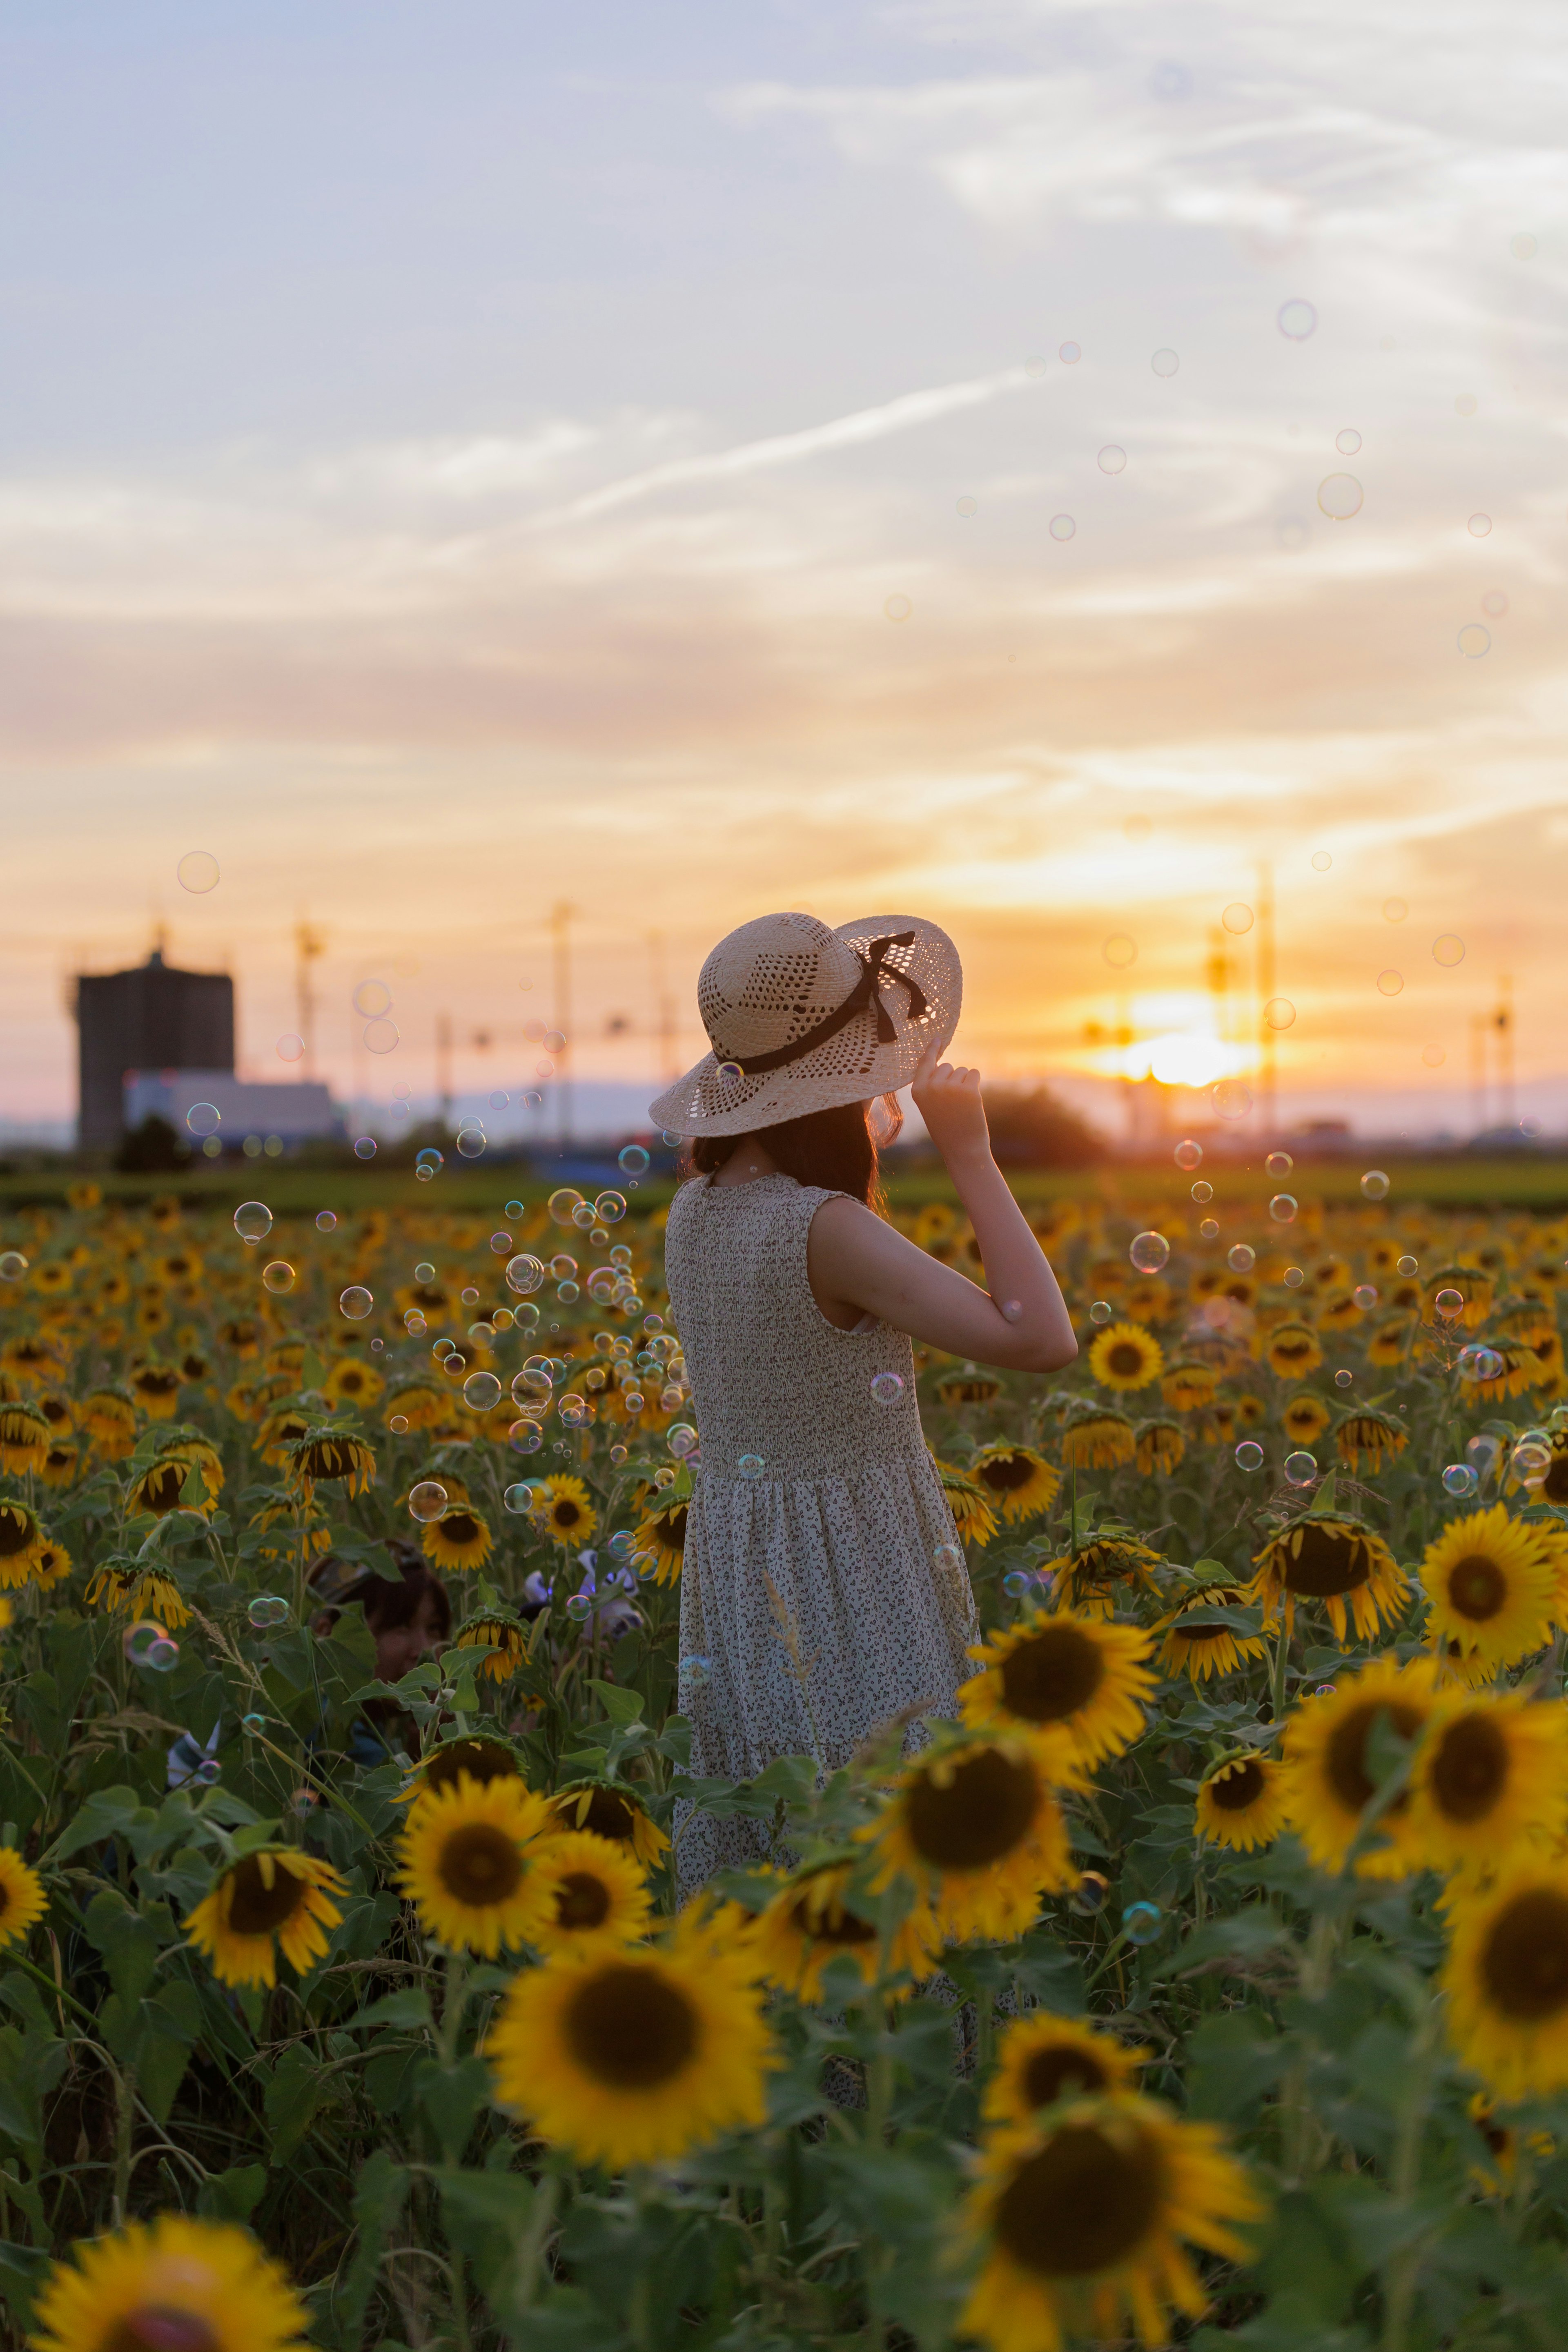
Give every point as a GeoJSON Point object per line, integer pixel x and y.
{"type": "Point", "coordinates": [836, 1149]}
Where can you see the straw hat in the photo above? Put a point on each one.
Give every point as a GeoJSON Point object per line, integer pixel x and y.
{"type": "Point", "coordinates": [801, 1018]}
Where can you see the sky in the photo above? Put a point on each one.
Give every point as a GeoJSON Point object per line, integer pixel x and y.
{"type": "Point", "coordinates": [459, 462]}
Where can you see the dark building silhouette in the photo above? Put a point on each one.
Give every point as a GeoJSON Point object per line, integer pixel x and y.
{"type": "Point", "coordinates": [150, 1019]}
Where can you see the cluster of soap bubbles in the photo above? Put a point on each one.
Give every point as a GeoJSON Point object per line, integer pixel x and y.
{"type": "Point", "coordinates": [151, 1645]}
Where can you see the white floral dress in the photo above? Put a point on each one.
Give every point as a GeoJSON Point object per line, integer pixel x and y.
{"type": "Point", "coordinates": [812, 1585]}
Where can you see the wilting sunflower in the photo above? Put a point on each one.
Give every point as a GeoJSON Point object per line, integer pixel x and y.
{"type": "Point", "coordinates": [1474, 1287]}
{"type": "Point", "coordinates": [1090, 1580]}
{"type": "Point", "coordinates": [110, 1418]}
{"type": "Point", "coordinates": [418, 1402]}
{"type": "Point", "coordinates": [977, 1827]}
{"type": "Point", "coordinates": [968, 1386]}
{"type": "Point", "coordinates": [459, 1538]}
{"type": "Point", "coordinates": [470, 1859]}
{"type": "Point", "coordinates": [1082, 2221]}
{"type": "Point", "coordinates": [147, 1594]}
{"type": "Point", "coordinates": [1072, 1672]}
{"type": "Point", "coordinates": [973, 1519]}
{"type": "Point", "coordinates": [21, 1540]}
{"type": "Point", "coordinates": [1334, 1559]}
{"type": "Point", "coordinates": [52, 1565]}
{"type": "Point", "coordinates": [482, 1756]}
{"type": "Point", "coordinates": [156, 1388]}
{"type": "Point", "coordinates": [1492, 1774]}
{"type": "Point", "coordinates": [1020, 1482]}
{"type": "Point", "coordinates": [161, 1484]}
{"type": "Point", "coordinates": [173, 2285]}
{"type": "Point", "coordinates": [59, 1465]}
{"type": "Point", "coordinates": [339, 1458]}
{"type": "Point", "coordinates": [569, 1518]}
{"type": "Point", "coordinates": [22, 1897]}
{"type": "Point", "coordinates": [1292, 1351]}
{"type": "Point", "coordinates": [1188, 1385]}
{"type": "Point", "coordinates": [610, 1812]}
{"type": "Point", "coordinates": [1328, 1785]}
{"type": "Point", "coordinates": [1305, 1417]}
{"type": "Point", "coordinates": [1045, 2058]}
{"type": "Point", "coordinates": [1507, 1980]}
{"type": "Point", "coordinates": [590, 1891]}
{"type": "Point", "coordinates": [275, 1900]}
{"type": "Point", "coordinates": [1243, 1804]}
{"type": "Point", "coordinates": [633, 2057]}
{"type": "Point", "coordinates": [1390, 1343]}
{"type": "Point", "coordinates": [663, 1533]}
{"type": "Point", "coordinates": [1491, 1586]}
{"type": "Point", "coordinates": [1162, 1444]}
{"type": "Point", "coordinates": [1372, 1434]}
{"type": "Point", "coordinates": [504, 1635]}
{"type": "Point", "coordinates": [1125, 1357]}
{"type": "Point", "coordinates": [813, 1920]}
{"type": "Point", "coordinates": [1096, 1440]}
{"type": "Point", "coordinates": [280, 1433]}
{"type": "Point", "coordinates": [1200, 1651]}
{"type": "Point", "coordinates": [25, 1438]}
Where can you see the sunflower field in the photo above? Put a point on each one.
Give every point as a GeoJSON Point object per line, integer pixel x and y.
{"type": "Point", "coordinates": [1206, 1979]}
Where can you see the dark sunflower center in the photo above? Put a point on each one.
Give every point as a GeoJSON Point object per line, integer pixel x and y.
{"type": "Point", "coordinates": [671, 1525]}
{"type": "Point", "coordinates": [630, 2029]}
{"type": "Point", "coordinates": [1291, 1349]}
{"type": "Point", "coordinates": [1554, 1486]}
{"type": "Point", "coordinates": [1083, 2204]}
{"type": "Point", "coordinates": [1124, 1358]}
{"type": "Point", "coordinates": [831, 1924]}
{"type": "Point", "coordinates": [481, 1759]}
{"type": "Point", "coordinates": [1524, 1959]}
{"type": "Point", "coordinates": [162, 1491]}
{"type": "Point", "coordinates": [1060, 2073]}
{"type": "Point", "coordinates": [1005, 1473]}
{"type": "Point", "coordinates": [1345, 1760]}
{"type": "Point", "coordinates": [327, 1459]}
{"type": "Point", "coordinates": [566, 1514]}
{"type": "Point", "coordinates": [1477, 1587]}
{"type": "Point", "coordinates": [350, 1381]}
{"type": "Point", "coordinates": [159, 2327]}
{"type": "Point", "coordinates": [157, 1383]}
{"type": "Point", "coordinates": [1330, 1560]}
{"type": "Point", "coordinates": [582, 1901]}
{"type": "Point", "coordinates": [978, 1816]}
{"type": "Point", "coordinates": [459, 1526]}
{"type": "Point", "coordinates": [1470, 1771]}
{"type": "Point", "coordinates": [256, 1909]}
{"type": "Point", "coordinates": [480, 1864]}
{"type": "Point", "coordinates": [1052, 1673]}
{"type": "Point", "coordinates": [1241, 1785]}
{"type": "Point", "coordinates": [15, 1531]}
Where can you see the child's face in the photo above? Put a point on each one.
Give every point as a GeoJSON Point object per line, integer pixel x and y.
{"type": "Point", "coordinates": [398, 1647]}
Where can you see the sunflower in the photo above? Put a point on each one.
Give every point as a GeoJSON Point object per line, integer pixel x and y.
{"type": "Point", "coordinates": [1328, 1785]}
{"type": "Point", "coordinates": [1507, 1980]}
{"type": "Point", "coordinates": [144, 1594]}
{"type": "Point", "coordinates": [22, 1897]}
{"type": "Point", "coordinates": [1188, 1384]}
{"type": "Point", "coordinates": [1373, 1434]}
{"type": "Point", "coordinates": [110, 1418]}
{"type": "Point", "coordinates": [482, 1756]}
{"type": "Point", "coordinates": [569, 1518]}
{"type": "Point", "coordinates": [610, 1812]}
{"type": "Point", "coordinates": [274, 1899]}
{"type": "Point", "coordinates": [590, 1891]}
{"type": "Point", "coordinates": [470, 1858]}
{"type": "Point", "coordinates": [52, 1564]}
{"type": "Point", "coordinates": [663, 1533]}
{"type": "Point", "coordinates": [21, 1540]}
{"type": "Point", "coordinates": [1305, 1417]}
{"type": "Point", "coordinates": [241, 1334]}
{"type": "Point", "coordinates": [158, 1490]}
{"type": "Point", "coordinates": [59, 1465]}
{"type": "Point", "coordinates": [1089, 1578]}
{"type": "Point", "coordinates": [1553, 1485]}
{"type": "Point", "coordinates": [1331, 1558]}
{"type": "Point", "coordinates": [1491, 1775]}
{"type": "Point", "coordinates": [973, 1823]}
{"type": "Point", "coordinates": [1081, 2219]}
{"type": "Point", "coordinates": [319, 1458]}
{"type": "Point", "coordinates": [1292, 1351]}
{"type": "Point", "coordinates": [1199, 1651]}
{"type": "Point", "coordinates": [973, 1519]}
{"type": "Point", "coordinates": [1070, 1671]}
{"type": "Point", "coordinates": [1094, 1440]}
{"type": "Point", "coordinates": [352, 1383]}
{"type": "Point", "coordinates": [968, 1387]}
{"type": "Point", "coordinates": [157, 1390]}
{"type": "Point", "coordinates": [1125, 1357]}
{"type": "Point", "coordinates": [25, 1437]}
{"type": "Point", "coordinates": [36, 1358]}
{"type": "Point", "coordinates": [1390, 1343]}
{"type": "Point", "coordinates": [1162, 1444]}
{"type": "Point", "coordinates": [1491, 1586]}
{"type": "Point", "coordinates": [1045, 2058]}
{"type": "Point", "coordinates": [1020, 1482]}
{"type": "Point", "coordinates": [280, 1433]}
{"type": "Point", "coordinates": [632, 2055]}
{"type": "Point", "coordinates": [504, 1635]}
{"type": "Point", "coordinates": [1243, 1804]}
{"type": "Point", "coordinates": [813, 1920]}
{"type": "Point", "coordinates": [176, 2285]}
{"type": "Point", "coordinates": [420, 1405]}
{"type": "Point", "coordinates": [459, 1538]}
{"type": "Point", "coordinates": [1474, 1287]}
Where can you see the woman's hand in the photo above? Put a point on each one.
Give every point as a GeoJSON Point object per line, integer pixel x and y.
{"type": "Point", "coordinates": [948, 1099]}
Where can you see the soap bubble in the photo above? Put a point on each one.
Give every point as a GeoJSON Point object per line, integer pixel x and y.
{"type": "Point", "coordinates": [1480, 526]}
{"type": "Point", "coordinates": [1034, 364]}
{"type": "Point", "coordinates": [1062, 526]}
{"type": "Point", "coordinates": [750, 1466]}
{"type": "Point", "coordinates": [1294, 1277]}
{"type": "Point", "coordinates": [326, 1221]}
{"type": "Point", "coordinates": [1389, 982]}
{"type": "Point", "coordinates": [1494, 603]}
{"type": "Point", "coordinates": [398, 1424]}
{"type": "Point", "coordinates": [1249, 1455]}
{"type": "Point", "coordinates": [1448, 950]}
{"type": "Point", "coordinates": [1343, 1380]}
{"type": "Point", "coordinates": [1069, 354]}
{"type": "Point", "coordinates": [291, 1047]}
{"type": "Point", "coordinates": [470, 1141]}
{"type": "Point", "coordinates": [1522, 247]}
{"type": "Point", "coordinates": [355, 1302]}
{"type": "Point", "coordinates": [1119, 950]}
{"type": "Point", "coordinates": [1531, 1455]}
{"type": "Point", "coordinates": [1460, 1480]}
{"type": "Point", "coordinates": [1434, 1056]}
{"type": "Point", "coordinates": [1230, 1098]}
{"type": "Point", "coordinates": [681, 1439]}
{"type": "Point", "coordinates": [1101, 1312]}
{"type": "Point", "coordinates": [696, 1672]}
{"type": "Point", "coordinates": [1112, 460]}
{"type": "Point", "coordinates": [1478, 1363]}
{"type": "Point", "coordinates": [1279, 1013]}
{"type": "Point", "coordinates": [1395, 911]}
{"type": "Point", "coordinates": [898, 608]}
{"type": "Point", "coordinates": [137, 1639]}
{"type": "Point", "coordinates": [1142, 1923]}
{"type": "Point", "coordinates": [1347, 442]}
{"type": "Point", "coordinates": [380, 1036]}
{"type": "Point", "coordinates": [1165, 362]}
{"type": "Point", "coordinates": [253, 1221]}
{"type": "Point", "coordinates": [1018, 1582]}
{"type": "Point", "coordinates": [1481, 1452]}
{"type": "Point", "coordinates": [1474, 640]}
{"type": "Point", "coordinates": [633, 1159]}
{"type": "Point", "coordinates": [580, 1607]}
{"type": "Point", "coordinates": [1282, 1208]}
{"type": "Point", "coordinates": [481, 1392]}
{"type": "Point", "coordinates": [372, 999]}
{"type": "Point", "coordinates": [1365, 1296]}
{"type": "Point", "coordinates": [525, 1437]}
{"type": "Point", "coordinates": [1241, 1257]}
{"type": "Point", "coordinates": [947, 1558]}
{"type": "Point", "coordinates": [562, 1203]}
{"type": "Point", "coordinates": [1210, 1229]}
{"type": "Point", "coordinates": [887, 1388]}
{"type": "Point", "coordinates": [1322, 861]}
{"type": "Point", "coordinates": [1237, 918]}
{"type": "Point", "coordinates": [1408, 1264]}
{"type": "Point", "coordinates": [428, 1160]}
{"type": "Point", "coordinates": [1340, 497]}
{"type": "Point", "coordinates": [967, 506]}
{"type": "Point", "coordinates": [1091, 1893]}
{"type": "Point", "coordinates": [197, 872]}
{"type": "Point", "coordinates": [1375, 1185]}
{"type": "Point", "coordinates": [12, 1266]}
{"type": "Point", "coordinates": [501, 1243]}
{"type": "Point", "coordinates": [1300, 1469]}
{"type": "Point", "coordinates": [1277, 1163]}
{"type": "Point", "coordinates": [524, 1274]}
{"type": "Point", "coordinates": [1188, 1154]}
{"type": "Point", "coordinates": [428, 1500]}
{"type": "Point", "coordinates": [1296, 319]}
{"type": "Point", "coordinates": [1203, 1191]}
{"type": "Point", "coordinates": [519, 1499]}
{"type": "Point", "coordinates": [268, 1609]}
{"type": "Point", "coordinates": [164, 1654]}
{"type": "Point", "coordinates": [203, 1118]}
{"type": "Point", "coordinates": [279, 1275]}
{"type": "Point", "coordinates": [610, 1208]}
{"type": "Point", "coordinates": [364, 1149]}
{"type": "Point", "coordinates": [253, 1724]}
{"type": "Point", "coordinates": [1149, 1252]}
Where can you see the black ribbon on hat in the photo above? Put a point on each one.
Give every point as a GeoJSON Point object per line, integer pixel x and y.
{"type": "Point", "coordinates": [865, 995]}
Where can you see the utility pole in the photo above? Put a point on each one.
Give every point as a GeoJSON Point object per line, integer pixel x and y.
{"type": "Point", "coordinates": [1479, 1072]}
{"type": "Point", "coordinates": [1502, 1022]}
{"type": "Point", "coordinates": [561, 916]}
{"type": "Point", "coordinates": [309, 945]}
{"type": "Point", "coordinates": [664, 1010]}
{"type": "Point", "coordinates": [1266, 1071]}
{"type": "Point", "coordinates": [1123, 1049]}
{"type": "Point", "coordinates": [444, 1067]}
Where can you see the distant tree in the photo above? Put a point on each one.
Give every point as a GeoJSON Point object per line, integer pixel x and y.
{"type": "Point", "coordinates": [1030, 1128]}
{"type": "Point", "coordinates": [154, 1149]}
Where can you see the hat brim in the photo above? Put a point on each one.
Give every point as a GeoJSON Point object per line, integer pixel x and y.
{"type": "Point", "coordinates": [850, 1066]}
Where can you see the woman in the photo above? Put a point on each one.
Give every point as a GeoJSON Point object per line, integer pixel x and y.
{"type": "Point", "coordinates": [823, 1591]}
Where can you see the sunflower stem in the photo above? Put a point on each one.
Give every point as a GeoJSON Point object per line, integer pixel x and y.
{"type": "Point", "coordinates": [124, 2130]}
{"type": "Point", "coordinates": [1281, 1660]}
{"type": "Point", "coordinates": [455, 1970]}
{"type": "Point", "coordinates": [1399, 2296]}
